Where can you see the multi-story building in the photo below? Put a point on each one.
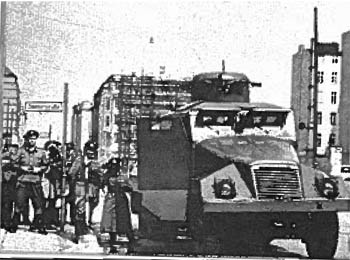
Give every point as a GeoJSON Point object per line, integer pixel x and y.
{"type": "Point", "coordinates": [121, 99]}
{"type": "Point", "coordinates": [329, 61]}
{"type": "Point", "coordinates": [333, 98]}
{"type": "Point", "coordinates": [344, 105]}
{"type": "Point", "coordinates": [11, 107]}
{"type": "Point", "coordinates": [301, 97]}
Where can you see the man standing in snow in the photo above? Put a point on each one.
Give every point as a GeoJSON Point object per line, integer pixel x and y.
{"type": "Point", "coordinates": [31, 166]}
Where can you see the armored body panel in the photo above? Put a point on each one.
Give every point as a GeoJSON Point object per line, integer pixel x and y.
{"type": "Point", "coordinates": [212, 170]}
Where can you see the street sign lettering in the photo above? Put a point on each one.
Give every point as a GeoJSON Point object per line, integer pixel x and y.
{"type": "Point", "coordinates": [43, 106]}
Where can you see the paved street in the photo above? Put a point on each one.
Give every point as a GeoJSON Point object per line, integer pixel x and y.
{"type": "Point", "coordinates": [23, 242]}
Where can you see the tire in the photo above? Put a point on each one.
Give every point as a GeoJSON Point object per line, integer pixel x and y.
{"type": "Point", "coordinates": [322, 239]}
{"type": "Point", "coordinates": [209, 246]}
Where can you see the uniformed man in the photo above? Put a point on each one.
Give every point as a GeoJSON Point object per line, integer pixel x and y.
{"type": "Point", "coordinates": [116, 215]}
{"type": "Point", "coordinates": [9, 179]}
{"type": "Point", "coordinates": [94, 174]}
{"type": "Point", "coordinates": [77, 175]}
{"type": "Point", "coordinates": [53, 188]}
{"type": "Point", "coordinates": [31, 166]}
{"type": "Point", "coordinates": [70, 198]}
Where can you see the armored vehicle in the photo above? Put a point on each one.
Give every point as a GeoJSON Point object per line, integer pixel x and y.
{"type": "Point", "coordinates": [221, 176]}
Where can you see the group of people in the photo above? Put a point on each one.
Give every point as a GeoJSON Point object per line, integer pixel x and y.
{"type": "Point", "coordinates": [36, 175]}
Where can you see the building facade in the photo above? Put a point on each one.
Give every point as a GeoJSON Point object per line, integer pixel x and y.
{"type": "Point", "coordinates": [344, 105]}
{"type": "Point", "coordinates": [333, 98]}
{"type": "Point", "coordinates": [11, 107]}
{"type": "Point", "coordinates": [122, 99]}
{"type": "Point", "coordinates": [301, 98]}
{"type": "Point", "coordinates": [329, 65]}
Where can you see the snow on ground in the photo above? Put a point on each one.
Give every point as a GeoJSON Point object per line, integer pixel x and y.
{"type": "Point", "coordinates": [25, 241]}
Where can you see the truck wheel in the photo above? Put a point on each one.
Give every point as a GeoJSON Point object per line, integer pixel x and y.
{"type": "Point", "coordinates": [322, 238]}
{"type": "Point", "coordinates": [209, 246]}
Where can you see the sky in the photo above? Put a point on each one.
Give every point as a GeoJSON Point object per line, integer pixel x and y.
{"type": "Point", "coordinates": [83, 43]}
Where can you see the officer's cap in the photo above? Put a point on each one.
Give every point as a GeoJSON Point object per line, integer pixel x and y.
{"type": "Point", "coordinates": [91, 147]}
{"type": "Point", "coordinates": [51, 143]}
{"type": "Point", "coordinates": [31, 134]}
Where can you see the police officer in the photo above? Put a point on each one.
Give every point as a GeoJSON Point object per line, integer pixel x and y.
{"type": "Point", "coordinates": [77, 175]}
{"type": "Point", "coordinates": [31, 165]}
{"type": "Point", "coordinates": [116, 215]}
{"type": "Point", "coordinates": [9, 179]}
{"type": "Point", "coordinates": [54, 177]}
{"type": "Point", "coordinates": [94, 174]}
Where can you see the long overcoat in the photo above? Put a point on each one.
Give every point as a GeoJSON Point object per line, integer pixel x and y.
{"type": "Point", "coordinates": [116, 216]}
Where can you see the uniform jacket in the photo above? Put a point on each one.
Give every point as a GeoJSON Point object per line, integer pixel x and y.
{"type": "Point", "coordinates": [9, 171]}
{"type": "Point", "coordinates": [28, 158]}
{"type": "Point", "coordinates": [95, 173]}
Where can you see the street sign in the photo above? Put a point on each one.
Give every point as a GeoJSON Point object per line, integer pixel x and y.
{"type": "Point", "coordinates": [43, 106]}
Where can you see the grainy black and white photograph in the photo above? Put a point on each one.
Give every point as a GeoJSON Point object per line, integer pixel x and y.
{"type": "Point", "coordinates": [175, 129]}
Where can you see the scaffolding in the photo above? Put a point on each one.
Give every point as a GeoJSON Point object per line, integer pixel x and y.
{"type": "Point", "coordinates": [135, 97]}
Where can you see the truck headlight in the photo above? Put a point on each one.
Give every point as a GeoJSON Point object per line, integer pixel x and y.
{"type": "Point", "coordinates": [224, 189]}
{"type": "Point", "coordinates": [330, 189]}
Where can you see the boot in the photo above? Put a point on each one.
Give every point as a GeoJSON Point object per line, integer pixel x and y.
{"type": "Point", "coordinates": [41, 226]}
{"type": "Point", "coordinates": [112, 239]}
{"type": "Point", "coordinates": [131, 244]}
{"type": "Point", "coordinates": [34, 226]}
{"type": "Point", "coordinates": [38, 225]}
{"type": "Point", "coordinates": [15, 222]}
{"type": "Point", "coordinates": [26, 220]}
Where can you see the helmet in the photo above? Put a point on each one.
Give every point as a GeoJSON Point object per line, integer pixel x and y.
{"type": "Point", "coordinates": [51, 143]}
{"type": "Point", "coordinates": [90, 146]}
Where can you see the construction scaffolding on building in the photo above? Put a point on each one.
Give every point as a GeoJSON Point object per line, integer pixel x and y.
{"type": "Point", "coordinates": [129, 98]}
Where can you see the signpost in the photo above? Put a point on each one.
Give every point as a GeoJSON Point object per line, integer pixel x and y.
{"type": "Point", "coordinates": [64, 156]}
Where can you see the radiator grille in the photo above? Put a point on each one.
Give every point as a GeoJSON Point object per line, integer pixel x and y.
{"type": "Point", "coordinates": [277, 182]}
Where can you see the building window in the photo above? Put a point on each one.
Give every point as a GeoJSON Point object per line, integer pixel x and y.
{"type": "Point", "coordinates": [108, 103]}
{"type": "Point", "coordinates": [334, 60]}
{"type": "Point", "coordinates": [333, 97]}
{"type": "Point", "coordinates": [116, 119]}
{"type": "Point", "coordinates": [333, 118]}
{"type": "Point", "coordinates": [334, 77]}
{"type": "Point", "coordinates": [331, 141]}
{"type": "Point", "coordinates": [107, 121]}
{"type": "Point", "coordinates": [319, 140]}
{"type": "Point", "coordinates": [320, 76]}
{"type": "Point", "coordinates": [319, 118]}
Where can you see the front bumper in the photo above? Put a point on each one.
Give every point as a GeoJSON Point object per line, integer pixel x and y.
{"type": "Point", "coordinates": [250, 205]}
